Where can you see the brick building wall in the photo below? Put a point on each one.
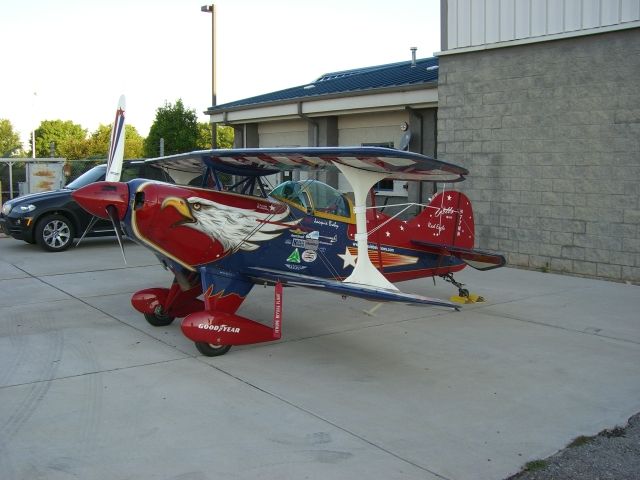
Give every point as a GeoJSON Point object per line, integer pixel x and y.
{"type": "Point", "coordinates": [551, 135]}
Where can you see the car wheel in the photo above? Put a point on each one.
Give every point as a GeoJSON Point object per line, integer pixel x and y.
{"type": "Point", "coordinates": [55, 233]}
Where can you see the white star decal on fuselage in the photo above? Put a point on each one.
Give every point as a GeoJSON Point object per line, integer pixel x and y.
{"type": "Point", "coordinates": [348, 258]}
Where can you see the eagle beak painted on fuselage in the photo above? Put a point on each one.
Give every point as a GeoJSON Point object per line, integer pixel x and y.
{"type": "Point", "coordinates": [182, 208]}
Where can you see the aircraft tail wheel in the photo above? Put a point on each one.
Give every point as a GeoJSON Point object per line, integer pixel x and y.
{"type": "Point", "coordinates": [212, 350]}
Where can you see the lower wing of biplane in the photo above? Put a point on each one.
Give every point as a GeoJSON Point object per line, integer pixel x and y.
{"type": "Point", "coordinates": [377, 294]}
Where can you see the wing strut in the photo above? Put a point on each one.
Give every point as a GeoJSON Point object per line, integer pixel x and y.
{"type": "Point", "coordinates": [364, 272]}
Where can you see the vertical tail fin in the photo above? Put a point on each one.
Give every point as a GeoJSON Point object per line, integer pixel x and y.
{"type": "Point", "coordinates": [448, 220]}
{"type": "Point", "coordinates": [116, 146]}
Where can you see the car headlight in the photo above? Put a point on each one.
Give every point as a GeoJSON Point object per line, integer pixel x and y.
{"type": "Point", "coordinates": [6, 208]}
{"type": "Point", "coordinates": [27, 208]}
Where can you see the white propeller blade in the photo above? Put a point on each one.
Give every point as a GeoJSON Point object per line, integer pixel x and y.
{"type": "Point", "coordinates": [116, 146]}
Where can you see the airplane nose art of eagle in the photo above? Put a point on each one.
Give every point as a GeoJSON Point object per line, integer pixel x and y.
{"type": "Point", "coordinates": [198, 227]}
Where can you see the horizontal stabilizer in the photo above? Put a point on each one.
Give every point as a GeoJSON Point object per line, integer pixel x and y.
{"type": "Point", "coordinates": [366, 292]}
{"type": "Point", "coordinates": [478, 259]}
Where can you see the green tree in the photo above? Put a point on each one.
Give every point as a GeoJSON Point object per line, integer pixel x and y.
{"type": "Point", "coordinates": [224, 134]}
{"type": "Point", "coordinates": [99, 142]}
{"type": "Point", "coordinates": [179, 128]}
{"type": "Point", "coordinates": [69, 138]}
{"type": "Point", "coordinates": [10, 143]}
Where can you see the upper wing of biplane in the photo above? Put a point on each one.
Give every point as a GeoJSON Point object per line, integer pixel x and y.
{"type": "Point", "coordinates": [395, 164]}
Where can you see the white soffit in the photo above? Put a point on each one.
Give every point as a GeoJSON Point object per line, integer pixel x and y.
{"type": "Point", "coordinates": [418, 98]}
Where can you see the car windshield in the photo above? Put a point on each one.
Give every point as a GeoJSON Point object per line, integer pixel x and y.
{"type": "Point", "coordinates": [94, 175]}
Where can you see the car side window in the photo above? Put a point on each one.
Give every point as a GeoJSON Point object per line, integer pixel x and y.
{"type": "Point", "coordinates": [154, 173]}
{"type": "Point", "coordinates": [129, 173]}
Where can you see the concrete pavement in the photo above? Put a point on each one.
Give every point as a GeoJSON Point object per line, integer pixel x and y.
{"type": "Point", "coordinates": [89, 390]}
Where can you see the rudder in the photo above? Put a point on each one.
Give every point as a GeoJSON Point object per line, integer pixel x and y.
{"type": "Point", "coordinates": [448, 220]}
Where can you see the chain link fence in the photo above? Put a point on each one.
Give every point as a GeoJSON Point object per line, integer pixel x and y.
{"type": "Point", "coordinates": [13, 172]}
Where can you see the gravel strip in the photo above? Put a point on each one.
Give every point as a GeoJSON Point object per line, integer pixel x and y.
{"type": "Point", "coordinates": [611, 455]}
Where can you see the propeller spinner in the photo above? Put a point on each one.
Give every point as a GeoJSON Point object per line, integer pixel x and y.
{"type": "Point", "coordinates": [106, 200]}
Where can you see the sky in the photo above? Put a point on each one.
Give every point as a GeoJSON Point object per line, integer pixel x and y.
{"type": "Point", "coordinates": [72, 59]}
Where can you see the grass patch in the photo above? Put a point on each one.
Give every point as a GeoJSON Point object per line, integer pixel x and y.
{"type": "Point", "coordinates": [579, 441]}
{"type": "Point", "coordinates": [535, 465]}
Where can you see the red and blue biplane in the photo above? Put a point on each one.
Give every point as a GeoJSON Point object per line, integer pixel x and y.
{"type": "Point", "coordinates": [221, 241]}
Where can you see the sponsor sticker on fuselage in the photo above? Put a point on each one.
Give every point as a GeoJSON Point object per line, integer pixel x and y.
{"type": "Point", "coordinates": [309, 256]}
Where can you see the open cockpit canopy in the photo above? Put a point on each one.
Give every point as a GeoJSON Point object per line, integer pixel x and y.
{"type": "Point", "coordinates": [313, 196]}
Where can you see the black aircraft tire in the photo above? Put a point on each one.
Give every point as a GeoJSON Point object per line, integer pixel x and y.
{"type": "Point", "coordinates": [158, 320]}
{"type": "Point", "coordinates": [211, 350]}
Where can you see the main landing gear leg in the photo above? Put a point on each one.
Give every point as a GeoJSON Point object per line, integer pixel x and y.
{"type": "Point", "coordinates": [160, 306]}
{"type": "Point", "coordinates": [463, 294]}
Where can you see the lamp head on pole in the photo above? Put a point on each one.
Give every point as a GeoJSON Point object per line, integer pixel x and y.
{"type": "Point", "coordinates": [206, 8]}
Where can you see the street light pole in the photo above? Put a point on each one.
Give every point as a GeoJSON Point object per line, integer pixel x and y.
{"type": "Point", "coordinates": [211, 9]}
{"type": "Point", "coordinates": [33, 129]}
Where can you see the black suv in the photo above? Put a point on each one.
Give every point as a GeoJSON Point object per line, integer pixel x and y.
{"type": "Point", "coordinates": [53, 219]}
